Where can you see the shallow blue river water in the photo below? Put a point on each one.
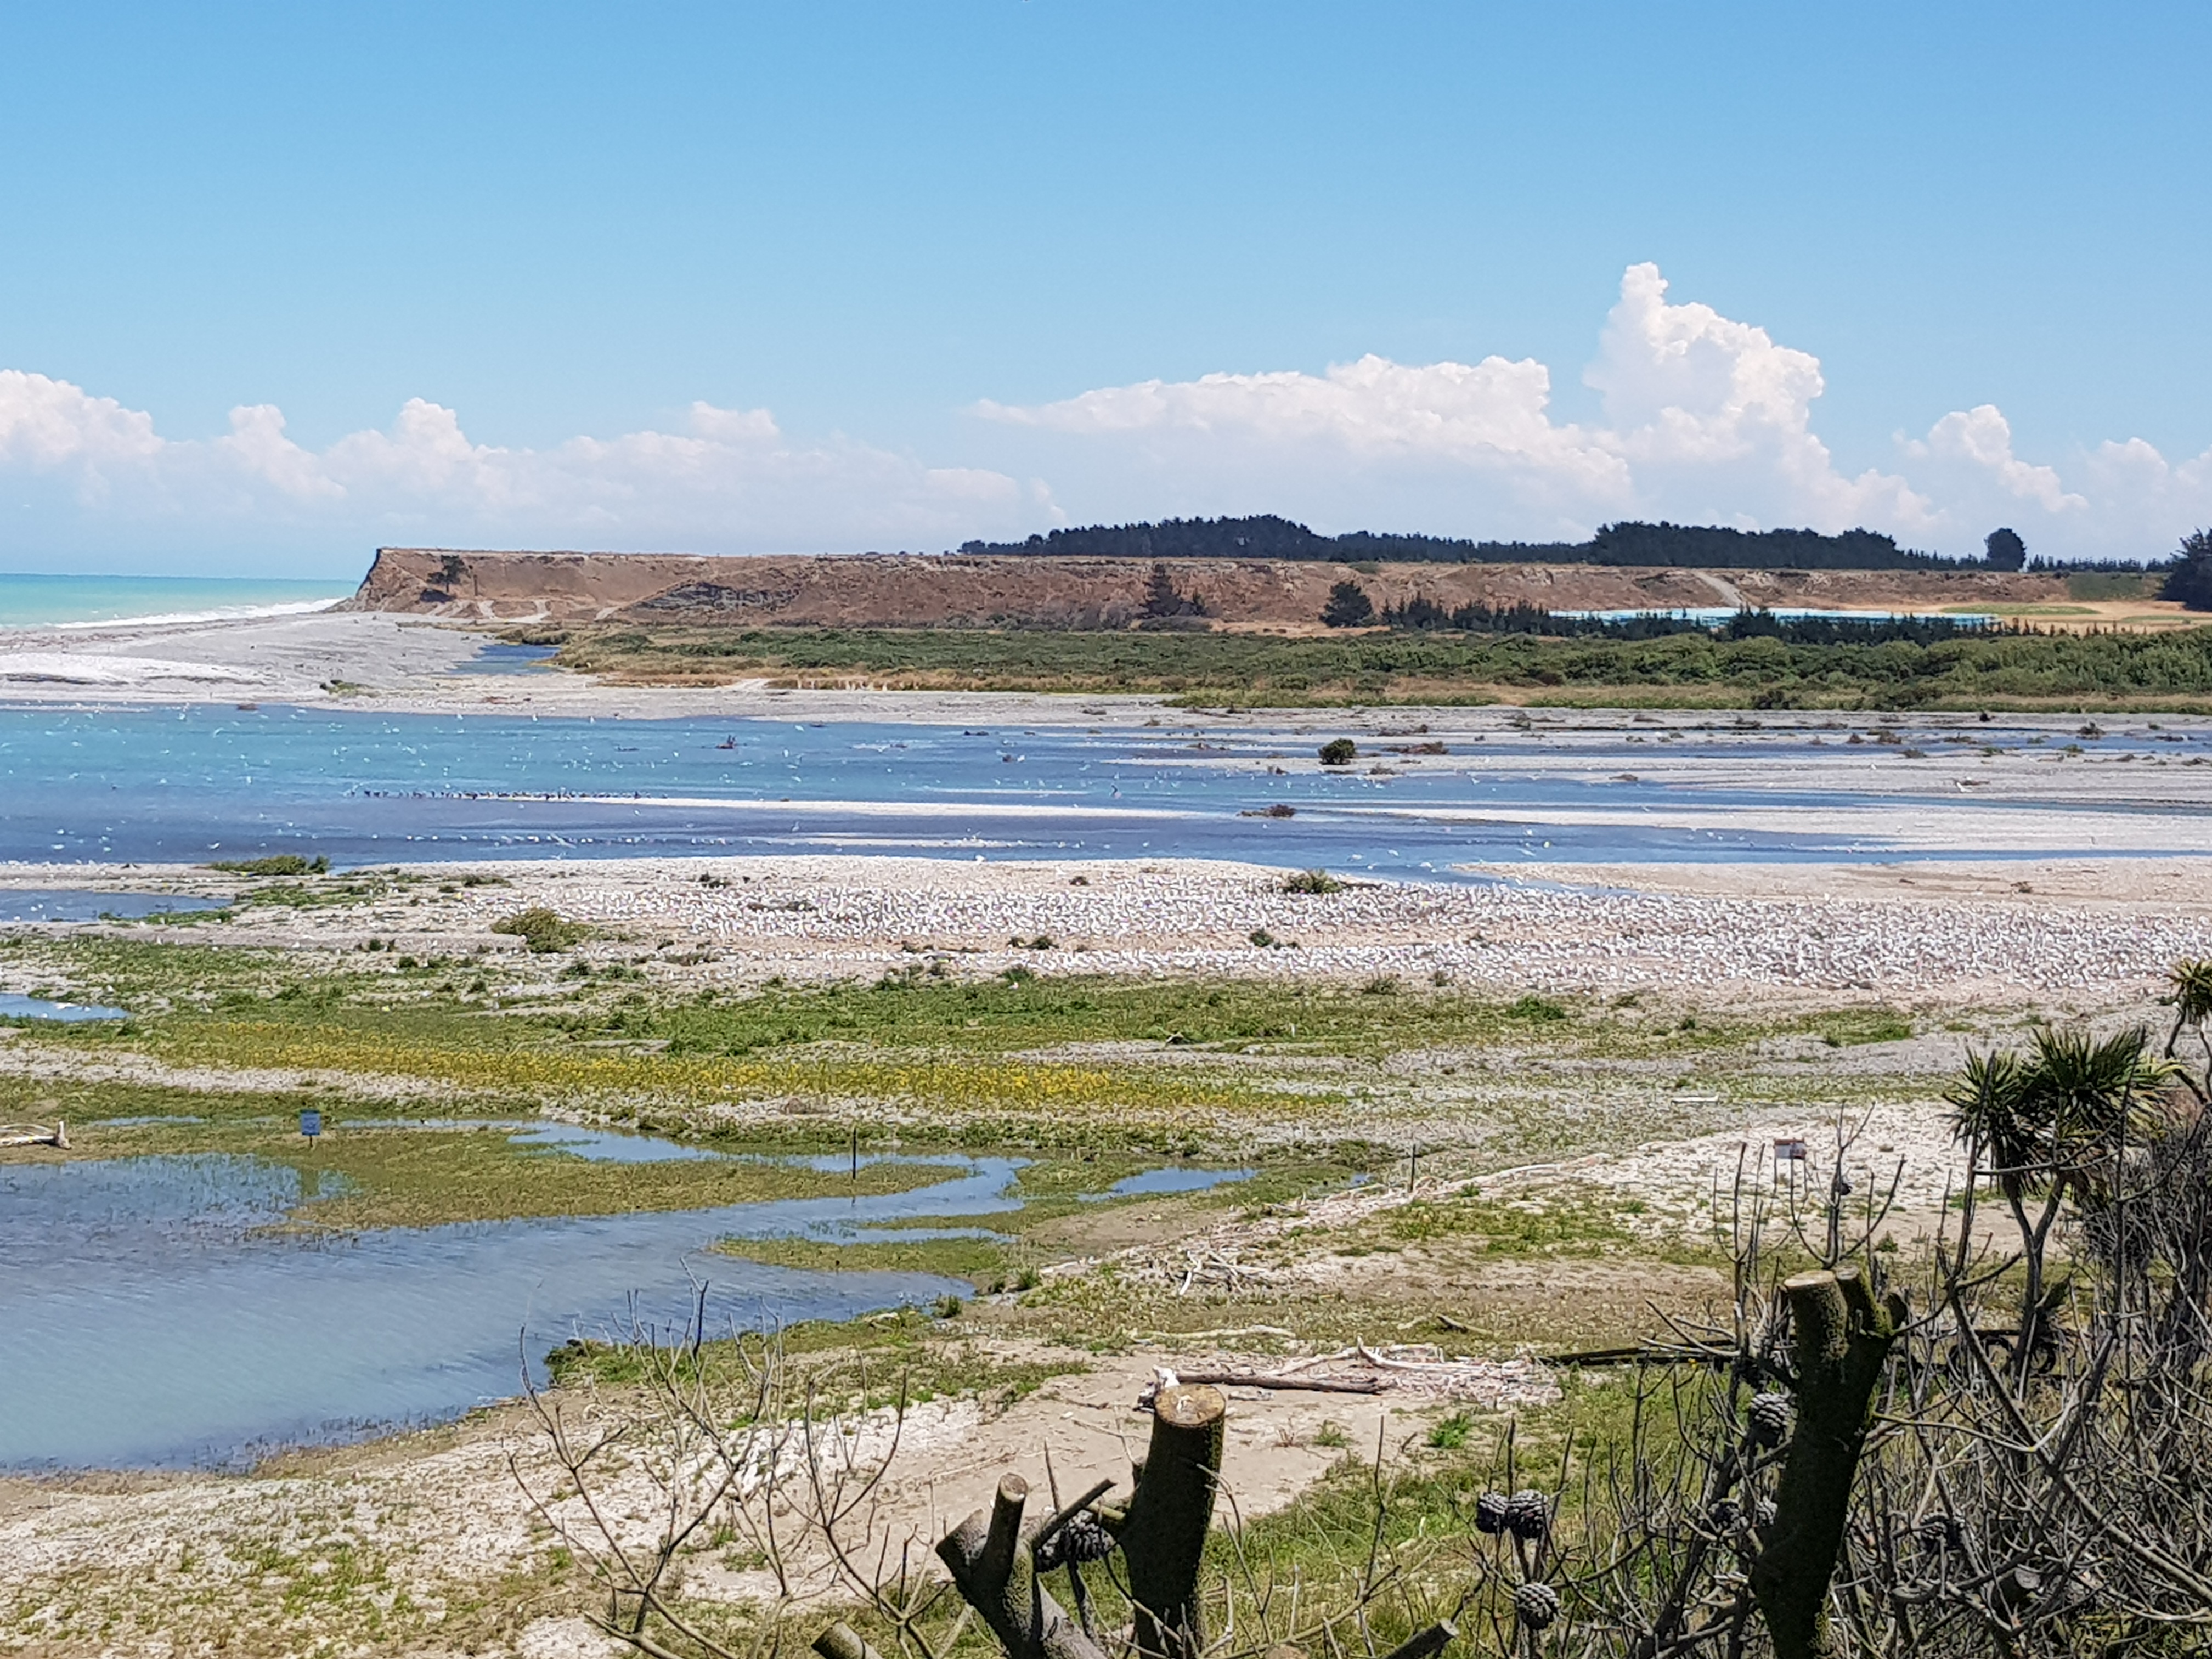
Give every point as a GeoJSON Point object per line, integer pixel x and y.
{"type": "Point", "coordinates": [192, 784]}
{"type": "Point", "coordinates": [145, 1321]}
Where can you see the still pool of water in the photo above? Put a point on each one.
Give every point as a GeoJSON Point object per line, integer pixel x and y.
{"type": "Point", "coordinates": [195, 784]}
{"type": "Point", "coordinates": [150, 1320]}
{"type": "Point", "coordinates": [14, 1005]}
{"type": "Point", "coordinates": [1173, 1178]}
{"type": "Point", "coordinates": [86, 904]}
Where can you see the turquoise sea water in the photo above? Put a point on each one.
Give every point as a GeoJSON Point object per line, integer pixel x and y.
{"type": "Point", "coordinates": [40, 601]}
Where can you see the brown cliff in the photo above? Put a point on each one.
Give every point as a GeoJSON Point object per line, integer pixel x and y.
{"type": "Point", "coordinates": [962, 591]}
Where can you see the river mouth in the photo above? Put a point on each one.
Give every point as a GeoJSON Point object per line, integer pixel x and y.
{"type": "Point", "coordinates": [173, 1310]}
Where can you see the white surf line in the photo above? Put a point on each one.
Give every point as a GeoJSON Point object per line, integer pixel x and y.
{"type": "Point", "coordinates": [226, 613]}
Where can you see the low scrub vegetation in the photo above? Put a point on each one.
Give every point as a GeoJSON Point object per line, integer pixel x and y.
{"type": "Point", "coordinates": [276, 863]}
{"type": "Point", "coordinates": [543, 930]}
{"type": "Point", "coordinates": [2154, 672]}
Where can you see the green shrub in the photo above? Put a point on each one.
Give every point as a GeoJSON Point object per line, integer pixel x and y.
{"type": "Point", "coordinates": [1450, 1433]}
{"type": "Point", "coordinates": [1312, 881]}
{"type": "Point", "coordinates": [1339, 751]}
{"type": "Point", "coordinates": [542, 930]}
{"type": "Point", "coordinates": [1541, 1009]}
{"type": "Point", "coordinates": [276, 863]}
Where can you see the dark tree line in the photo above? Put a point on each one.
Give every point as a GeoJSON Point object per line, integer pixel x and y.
{"type": "Point", "coordinates": [1349, 607]}
{"type": "Point", "coordinates": [1712, 547]}
{"type": "Point", "coordinates": [1269, 537]}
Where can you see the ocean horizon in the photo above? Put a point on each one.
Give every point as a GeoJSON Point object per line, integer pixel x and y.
{"type": "Point", "coordinates": [33, 599]}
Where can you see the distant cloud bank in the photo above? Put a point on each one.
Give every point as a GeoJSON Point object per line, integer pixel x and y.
{"type": "Point", "coordinates": [731, 479]}
{"type": "Point", "coordinates": [1704, 419]}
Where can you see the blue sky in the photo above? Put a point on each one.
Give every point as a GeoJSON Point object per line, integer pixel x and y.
{"type": "Point", "coordinates": [919, 262]}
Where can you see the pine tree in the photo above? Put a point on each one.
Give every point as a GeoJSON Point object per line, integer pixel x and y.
{"type": "Point", "coordinates": [2190, 581]}
{"type": "Point", "coordinates": [1348, 607]}
{"type": "Point", "coordinates": [1161, 598]}
{"type": "Point", "coordinates": [2002, 550]}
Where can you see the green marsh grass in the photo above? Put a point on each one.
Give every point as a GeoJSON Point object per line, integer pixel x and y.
{"type": "Point", "coordinates": [395, 1173]}
{"type": "Point", "coordinates": [2152, 671]}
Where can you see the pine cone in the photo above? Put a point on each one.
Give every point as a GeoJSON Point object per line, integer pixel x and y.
{"type": "Point", "coordinates": [1490, 1512]}
{"type": "Point", "coordinates": [1770, 1418]}
{"type": "Point", "coordinates": [1528, 1515]}
{"type": "Point", "coordinates": [1083, 1539]}
{"type": "Point", "coordinates": [1941, 1532]}
{"type": "Point", "coordinates": [1725, 1513]}
{"type": "Point", "coordinates": [1535, 1604]}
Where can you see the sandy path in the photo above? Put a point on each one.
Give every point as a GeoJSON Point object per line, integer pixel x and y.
{"type": "Point", "coordinates": [429, 1520]}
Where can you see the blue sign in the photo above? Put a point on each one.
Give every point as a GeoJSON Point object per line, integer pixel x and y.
{"type": "Point", "coordinates": [311, 1124]}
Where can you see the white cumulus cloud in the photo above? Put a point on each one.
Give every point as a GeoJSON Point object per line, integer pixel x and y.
{"type": "Point", "coordinates": [731, 480]}
{"type": "Point", "coordinates": [1699, 417]}
{"type": "Point", "coordinates": [1706, 420]}
{"type": "Point", "coordinates": [46, 424]}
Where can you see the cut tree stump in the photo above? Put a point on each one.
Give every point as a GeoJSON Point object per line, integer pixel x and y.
{"type": "Point", "coordinates": [1163, 1534]}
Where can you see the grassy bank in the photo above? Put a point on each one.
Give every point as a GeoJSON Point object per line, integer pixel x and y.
{"type": "Point", "coordinates": [1312, 1085]}
{"type": "Point", "coordinates": [2167, 672]}
{"type": "Point", "coordinates": [1093, 1068]}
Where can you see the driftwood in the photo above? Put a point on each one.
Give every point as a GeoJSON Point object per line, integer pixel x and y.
{"type": "Point", "coordinates": [34, 1135]}
{"type": "Point", "coordinates": [1269, 1380]}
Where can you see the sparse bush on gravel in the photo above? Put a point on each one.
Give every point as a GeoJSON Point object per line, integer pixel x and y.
{"type": "Point", "coordinates": [542, 930]}
{"type": "Point", "coordinates": [278, 864]}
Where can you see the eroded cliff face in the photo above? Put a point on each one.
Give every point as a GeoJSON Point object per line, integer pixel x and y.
{"type": "Point", "coordinates": [955, 590]}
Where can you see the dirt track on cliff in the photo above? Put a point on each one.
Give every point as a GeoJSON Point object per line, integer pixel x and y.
{"type": "Point", "coordinates": [955, 590]}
